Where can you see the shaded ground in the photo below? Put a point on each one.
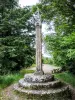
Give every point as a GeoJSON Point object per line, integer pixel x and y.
{"type": "Point", "coordinates": [8, 94]}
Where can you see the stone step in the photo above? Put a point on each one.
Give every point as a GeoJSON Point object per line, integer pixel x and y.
{"type": "Point", "coordinates": [38, 86]}
{"type": "Point", "coordinates": [59, 91]}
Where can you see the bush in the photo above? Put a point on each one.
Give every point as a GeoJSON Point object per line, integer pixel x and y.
{"type": "Point", "coordinates": [47, 60]}
{"type": "Point", "coordinates": [16, 53]}
{"type": "Point", "coordinates": [62, 48]}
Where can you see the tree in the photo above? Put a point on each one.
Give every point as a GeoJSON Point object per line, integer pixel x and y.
{"type": "Point", "coordinates": [61, 43]}
{"type": "Point", "coordinates": [16, 38]}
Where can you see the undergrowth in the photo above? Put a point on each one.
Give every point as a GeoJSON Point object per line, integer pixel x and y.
{"type": "Point", "coordinates": [9, 79]}
{"type": "Point", "coordinates": [66, 77]}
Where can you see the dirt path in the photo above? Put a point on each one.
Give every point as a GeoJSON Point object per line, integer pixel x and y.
{"type": "Point", "coordinates": [47, 68]}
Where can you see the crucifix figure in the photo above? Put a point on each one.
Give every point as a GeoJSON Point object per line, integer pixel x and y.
{"type": "Point", "coordinates": [38, 26]}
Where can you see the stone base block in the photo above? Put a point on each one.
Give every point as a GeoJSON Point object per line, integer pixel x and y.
{"type": "Point", "coordinates": [42, 87]}
{"type": "Point", "coordinates": [32, 78]}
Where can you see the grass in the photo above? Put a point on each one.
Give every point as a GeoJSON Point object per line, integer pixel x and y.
{"type": "Point", "coordinates": [7, 80]}
{"type": "Point", "coordinates": [26, 71]}
{"type": "Point", "coordinates": [66, 77]}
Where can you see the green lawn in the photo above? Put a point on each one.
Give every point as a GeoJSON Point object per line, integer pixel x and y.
{"type": "Point", "coordinates": [66, 77]}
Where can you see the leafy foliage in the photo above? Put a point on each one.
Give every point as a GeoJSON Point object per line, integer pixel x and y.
{"type": "Point", "coordinates": [60, 44]}
{"type": "Point", "coordinates": [16, 41]}
{"type": "Point", "coordinates": [16, 53]}
{"type": "Point", "coordinates": [47, 60]}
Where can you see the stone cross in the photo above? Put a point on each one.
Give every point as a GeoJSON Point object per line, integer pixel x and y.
{"type": "Point", "coordinates": [38, 26]}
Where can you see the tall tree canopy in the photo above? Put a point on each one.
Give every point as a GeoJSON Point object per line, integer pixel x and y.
{"type": "Point", "coordinates": [62, 42]}
{"type": "Point", "coordinates": [16, 38]}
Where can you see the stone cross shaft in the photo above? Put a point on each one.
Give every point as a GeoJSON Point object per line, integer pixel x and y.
{"type": "Point", "coordinates": [38, 26]}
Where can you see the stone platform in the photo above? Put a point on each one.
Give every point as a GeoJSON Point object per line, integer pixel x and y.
{"type": "Point", "coordinates": [42, 87]}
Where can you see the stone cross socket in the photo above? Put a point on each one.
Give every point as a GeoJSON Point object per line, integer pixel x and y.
{"type": "Point", "coordinates": [38, 25]}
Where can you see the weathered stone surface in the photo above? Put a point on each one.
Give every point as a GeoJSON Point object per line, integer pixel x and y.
{"type": "Point", "coordinates": [38, 26]}
{"type": "Point", "coordinates": [39, 86]}
{"type": "Point", "coordinates": [49, 94]}
{"type": "Point", "coordinates": [9, 94]}
{"type": "Point", "coordinates": [39, 72]}
{"type": "Point", "coordinates": [42, 86]}
{"type": "Point", "coordinates": [32, 78]}
{"type": "Point", "coordinates": [41, 92]}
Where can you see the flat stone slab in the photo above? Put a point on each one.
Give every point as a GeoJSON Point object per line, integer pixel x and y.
{"type": "Point", "coordinates": [37, 86]}
{"type": "Point", "coordinates": [32, 78]}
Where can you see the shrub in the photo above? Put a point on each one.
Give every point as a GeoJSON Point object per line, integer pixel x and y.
{"type": "Point", "coordinates": [47, 60]}
{"type": "Point", "coordinates": [16, 53]}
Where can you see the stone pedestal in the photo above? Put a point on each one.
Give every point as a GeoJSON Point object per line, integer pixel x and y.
{"type": "Point", "coordinates": [42, 87]}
